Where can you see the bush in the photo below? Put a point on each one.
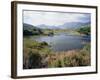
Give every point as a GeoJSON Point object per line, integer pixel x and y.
{"type": "Point", "coordinates": [35, 60]}
{"type": "Point", "coordinates": [44, 43]}
{"type": "Point", "coordinates": [27, 32]}
{"type": "Point", "coordinates": [84, 30]}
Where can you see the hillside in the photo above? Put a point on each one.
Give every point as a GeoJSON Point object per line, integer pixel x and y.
{"type": "Point", "coordinates": [68, 25]}
{"type": "Point", "coordinates": [31, 30]}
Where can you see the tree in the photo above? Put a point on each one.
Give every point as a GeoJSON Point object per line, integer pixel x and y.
{"type": "Point", "coordinates": [84, 30]}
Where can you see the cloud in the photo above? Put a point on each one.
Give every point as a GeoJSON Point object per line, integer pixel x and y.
{"type": "Point", "coordinates": [53, 18]}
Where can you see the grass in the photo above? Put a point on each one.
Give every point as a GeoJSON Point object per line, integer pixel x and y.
{"type": "Point", "coordinates": [34, 52]}
{"type": "Point", "coordinates": [71, 58]}
{"type": "Point", "coordinates": [57, 31]}
{"type": "Point", "coordinates": [39, 55]}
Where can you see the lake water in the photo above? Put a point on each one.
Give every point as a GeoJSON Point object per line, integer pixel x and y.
{"type": "Point", "coordinates": [63, 42]}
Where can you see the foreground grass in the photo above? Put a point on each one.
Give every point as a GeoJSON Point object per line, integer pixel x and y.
{"type": "Point", "coordinates": [71, 58]}
{"type": "Point", "coordinates": [39, 55]}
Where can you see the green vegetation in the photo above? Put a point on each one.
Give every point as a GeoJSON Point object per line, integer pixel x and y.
{"type": "Point", "coordinates": [39, 55]}
{"type": "Point", "coordinates": [72, 58]}
{"type": "Point", "coordinates": [84, 30]}
{"type": "Point", "coordinates": [35, 53]}
{"type": "Point", "coordinates": [31, 30]}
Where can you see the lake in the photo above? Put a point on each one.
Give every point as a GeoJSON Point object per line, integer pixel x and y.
{"type": "Point", "coordinates": [63, 42]}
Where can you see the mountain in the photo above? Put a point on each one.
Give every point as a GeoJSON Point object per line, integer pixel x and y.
{"type": "Point", "coordinates": [31, 30]}
{"type": "Point", "coordinates": [68, 25]}
{"type": "Point", "coordinates": [43, 26]}
{"type": "Point", "coordinates": [29, 26]}
{"type": "Point", "coordinates": [73, 25]}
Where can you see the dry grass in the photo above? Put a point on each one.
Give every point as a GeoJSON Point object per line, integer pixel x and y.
{"type": "Point", "coordinates": [36, 56]}
{"type": "Point", "coordinates": [69, 59]}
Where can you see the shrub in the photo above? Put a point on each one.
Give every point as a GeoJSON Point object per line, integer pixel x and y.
{"type": "Point", "coordinates": [84, 30]}
{"type": "Point", "coordinates": [35, 60]}
{"type": "Point", "coordinates": [44, 43]}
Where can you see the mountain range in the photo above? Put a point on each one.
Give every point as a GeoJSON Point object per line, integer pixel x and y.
{"type": "Point", "coordinates": [69, 25]}
{"type": "Point", "coordinates": [29, 27]}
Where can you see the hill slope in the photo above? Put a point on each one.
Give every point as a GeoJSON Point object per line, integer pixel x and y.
{"type": "Point", "coordinates": [31, 30]}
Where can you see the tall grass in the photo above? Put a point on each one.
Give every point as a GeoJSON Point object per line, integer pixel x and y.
{"type": "Point", "coordinates": [73, 58]}
{"type": "Point", "coordinates": [39, 55]}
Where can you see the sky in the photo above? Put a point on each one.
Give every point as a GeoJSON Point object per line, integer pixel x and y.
{"type": "Point", "coordinates": [53, 18]}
